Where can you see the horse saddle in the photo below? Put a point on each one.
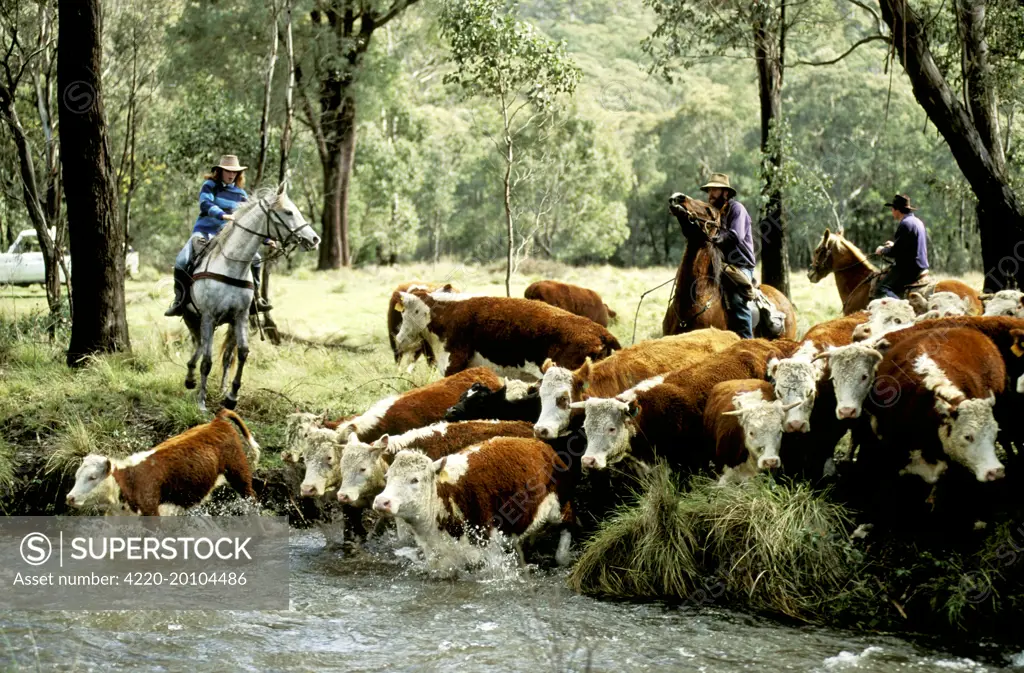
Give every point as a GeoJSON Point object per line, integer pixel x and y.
{"type": "Point", "coordinates": [765, 314]}
{"type": "Point", "coordinates": [922, 284]}
{"type": "Point", "coordinates": [199, 244]}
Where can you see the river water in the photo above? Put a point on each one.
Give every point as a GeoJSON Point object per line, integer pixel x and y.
{"type": "Point", "coordinates": [379, 612]}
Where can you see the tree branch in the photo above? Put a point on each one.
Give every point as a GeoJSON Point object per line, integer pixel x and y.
{"type": "Point", "coordinates": [869, 38]}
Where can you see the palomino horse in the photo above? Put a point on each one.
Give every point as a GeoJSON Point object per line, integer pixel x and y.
{"type": "Point", "coordinates": [855, 274]}
{"type": "Point", "coordinates": [221, 291]}
{"type": "Point", "coordinates": [697, 300]}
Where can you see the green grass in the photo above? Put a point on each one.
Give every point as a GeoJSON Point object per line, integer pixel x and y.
{"type": "Point", "coordinates": [763, 545]}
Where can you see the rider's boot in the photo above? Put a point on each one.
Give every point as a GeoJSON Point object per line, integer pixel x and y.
{"type": "Point", "coordinates": [262, 305]}
{"type": "Point", "coordinates": [182, 283]}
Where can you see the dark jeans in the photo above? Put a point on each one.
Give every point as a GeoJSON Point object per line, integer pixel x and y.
{"type": "Point", "coordinates": [894, 282]}
{"type": "Point", "coordinates": [738, 316]}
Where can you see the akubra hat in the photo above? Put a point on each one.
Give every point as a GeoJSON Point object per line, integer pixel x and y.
{"type": "Point", "coordinates": [718, 180]}
{"type": "Point", "coordinates": [900, 202]}
{"type": "Point", "coordinates": [229, 162]}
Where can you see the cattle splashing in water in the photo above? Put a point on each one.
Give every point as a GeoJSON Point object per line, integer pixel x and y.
{"type": "Point", "coordinates": [221, 293]}
{"type": "Point", "coordinates": [697, 299]}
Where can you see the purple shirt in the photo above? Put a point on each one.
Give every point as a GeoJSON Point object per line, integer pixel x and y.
{"type": "Point", "coordinates": [735, 239]}
{"type": "Point", "coordinates": [909, 248]}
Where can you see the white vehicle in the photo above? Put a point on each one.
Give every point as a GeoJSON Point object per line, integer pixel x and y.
{"type": "Point", "coordinates": [22, 264]}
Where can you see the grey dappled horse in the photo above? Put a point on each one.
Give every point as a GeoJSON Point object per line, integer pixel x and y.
{"type": "Point", "coordinates": [221, 290]}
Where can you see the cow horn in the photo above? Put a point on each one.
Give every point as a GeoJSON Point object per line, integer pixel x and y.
{"type": "Point", "coordinates": [985, 296]}
{"type": "Point", "coordinates": [821, 356]}
{"type": "Point", "coordinates": [791, 405]}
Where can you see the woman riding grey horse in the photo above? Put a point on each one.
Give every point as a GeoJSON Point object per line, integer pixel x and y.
{"type": "Point", "coordinates": [221, 194]}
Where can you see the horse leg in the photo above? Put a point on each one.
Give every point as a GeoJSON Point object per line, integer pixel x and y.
{"type": "Point", "coordinates": [227, 358]}
{"type": "Point", "coordinates": [206, 330]}
{"type": "Point", "coordinates": [242, 337]}
{"type": "Point", "coordinates": [197, 343]}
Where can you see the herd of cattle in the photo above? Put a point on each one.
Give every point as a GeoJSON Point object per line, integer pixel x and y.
{"type": "Point", "coordinates": [536, 401]}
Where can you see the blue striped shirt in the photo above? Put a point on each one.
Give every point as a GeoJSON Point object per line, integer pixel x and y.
{"type": "Point", "coordinates": [216, 200]}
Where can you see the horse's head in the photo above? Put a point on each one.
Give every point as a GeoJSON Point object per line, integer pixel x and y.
{"type": "Point", "coordinates": [286, 223]}
{"type": "Point", "coordinates": [822, 261]}
{"type": "Point", "coordinates": [698, 220]}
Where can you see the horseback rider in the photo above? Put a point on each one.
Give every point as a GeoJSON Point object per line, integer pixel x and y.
{"type": "Point", "coordinates": [908, 250]}
{"type": "Point", "coordinates": [735, 240]}
{"type": "Point", "coordinates": [221, 194]}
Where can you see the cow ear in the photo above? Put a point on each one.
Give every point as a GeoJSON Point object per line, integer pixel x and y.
{"type": "Point", "coordinates": [584, 373]}
{"type": "Point", "coordinates": [1018, 337]}
{"type": "Point", "coordinates": [448, 287]}
{"type": "Point", "coordinates": [633, 409]}
{"type": "Point", "coordinates": [918, 302]}
{"type": "Point", "coordinates": [773, 366]}
{"type": "Point", "coordinates": [353, 438]}
{"type": "Point", "coordinates": [439, 464]}
{"type": "Point", "coordinates": [548, 364]}
{"type": "Point", "coordinates": [944, 407]}
{"type": "Point", "coordinates": [382, 442]}
{"type": "Point", "coordinates": [107, 467]}
{"type": "Point", "coordinates": [991, 399]}
{"type": "Point", "coordinates": [1020, 384]}
{"type": "Point", "coordinates": [882, 346]}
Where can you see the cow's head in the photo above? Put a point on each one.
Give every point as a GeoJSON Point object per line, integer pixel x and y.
{"type": "Point", "coordinates": [968, 432]}
{"type": "Point", "coordinates": [473, 403]}
{"type": "Point", "coordinates": [762, 423]}
{"type": "Point", "coordinates": [94, 483]}
{"type": "Point", "coordinates": [298, 426]}
{"type": "Point", "coordinates": [609, 425]}
{"type": "Point", "coordinates": [363, 470]}
{"type": "Point", "coordinates": [852, 370]}
{"type": "Point", "coordinates": [1009, 303]}
{"type": "Point", "coordinates": [415, 319]}
{"type": "Point", "coordinates": [556, 396]}
{"type": "Point", "coordinates": [796, 387]}
{"type": "Point", "coordinates": [887, 315]}
{"type": "Point", "coordinates": [410, 486]}
{"type": "Point", "coordinates": [323, 460]}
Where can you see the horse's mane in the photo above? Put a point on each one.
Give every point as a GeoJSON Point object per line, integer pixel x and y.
{"type": "Point", "coordinates": [857, 253]}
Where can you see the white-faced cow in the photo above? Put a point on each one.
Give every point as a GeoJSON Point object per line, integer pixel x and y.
{"type": "Point", "coordinates": [509, 335]}
{"type": "Point", "coordinates": [887, 315]}
{"type": "Point", "coordinates": [395, 320]}
{"type": "Point", "coordinates": [743, 426]}
{"type": "Point", "coordinates": [622, 370]}
{"type": "Point", "coordinates": [1009, 303]}
{"type": "Point", "coordinates": [175, 475]}
{"type": "Point", "coordinates": [515, 486]}
{"type": "Point", "coordinates": [940, 305]}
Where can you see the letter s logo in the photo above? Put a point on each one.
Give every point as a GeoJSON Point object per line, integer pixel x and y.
{"type": "Point", "coordinates": [36, 549]}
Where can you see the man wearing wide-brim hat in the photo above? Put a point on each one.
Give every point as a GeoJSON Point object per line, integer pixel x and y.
{"type": "Point", "coordinates": [908, 250]}
{"type": "Point", "coordinates": [736, 241]}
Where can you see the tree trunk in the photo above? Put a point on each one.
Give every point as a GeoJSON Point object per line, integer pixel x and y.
{"type": "Point", "coordinates": [97, 240]}
{"type": "Point", "coordinates": [289, 106]}
{"type": "Point", "coordinates": [268, 84]}
{"type": "Point", "coordinates": [340, 136]}
{"type": "Point", "coordinates": [510, 231]}
{"type": "Point", "coordinates": [769, 48]}
{"type": "Point", "coordinates": [1003, 213]}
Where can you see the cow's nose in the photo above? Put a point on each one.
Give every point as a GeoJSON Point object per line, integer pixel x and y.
{"type": "Point", "coordinates": [995, 473]}
{"type": "Point", "coordinates": [70, 499]}
{"type": "Point", "coordinates": [308, 491]}
{"type": "Point", "coordinates": [796, 426]}
{"type": "Point", "coordinates": [541, 431]}
{"type": "Point", "coordinates": [382, 505]}
{"type": "Point", "coordinates": [846, 412]}
{"type": "Point", "coordinates": [343, 497]}
{"type": "Point", "coordinates": [589, 461]}
{"type": "Point", "coordinates": [771, 463]}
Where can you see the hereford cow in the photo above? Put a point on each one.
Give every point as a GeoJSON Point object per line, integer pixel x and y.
{"type": "Point", "coordinates": [1008, 303]}
{"type": "Point", "coordinates": [622, 370]}
{"type": "Point", "coordinates": [512, 485]}
{"type": "Point", "coordinates": [743, 428]}
{"type": "Point", "coordinates": [515, 401]}
{"type": "Point", "coordinates": [395, 319]}
{"type": "Point", "coordinates": [666, 413]}
{"type": "Point", "coordinates": [572, 298]}
{"type": "Point", "coordinates": [947, 383]}
{"type": "Point", "coordinates": [851, 369]}
{"type": "Point", "coordinates": [940, 305]}
{"type": "Point", "coordinates": [887, 315]}
{"type": "Point", "coordinates": [364, 466]}
{"type": "Point", "coordinates": [297, 429]}
{"type": "Point", "coordinates": [173, 476]}
{"type": "Point", "coordinates": [398, 413]}
{"type": "Point", "coordinates": [970, 296]}
{"type": "Point", "coordinates": [511, 336]}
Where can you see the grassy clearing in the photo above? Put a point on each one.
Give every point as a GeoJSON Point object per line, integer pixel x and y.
{"type": "Point", "coordinates": [769, 547]}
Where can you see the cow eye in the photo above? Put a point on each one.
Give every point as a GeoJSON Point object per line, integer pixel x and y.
{"type": "Point", "coordinates": [969, 438]}
{"type": "Point", "coordinates": [362, 470]}
{"type": "Point", "coordinates": [414, 480]}
{"type": "Point", "coordinates": [863, 377]}
{"type": "Point", "coordinates": [563, 402]}
{"type": "Point", "coordinates": [898, 321]}
{"type": "Point", "coordinates": [611, 430]}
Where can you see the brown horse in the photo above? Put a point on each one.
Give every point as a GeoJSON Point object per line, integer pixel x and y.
{"type": "Point", "coordinates": [697, 301]}
{"type": "Point", "coordinates": [855, 275]}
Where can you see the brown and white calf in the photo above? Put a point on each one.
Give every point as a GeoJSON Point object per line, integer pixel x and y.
{"type": "Point", "coordinates": [516, 486]}
{"type": "Point", "coordinates": [886, 315]}
{"type": "Point", "coordinates": [364, 466]}
{"type": "Point", "coordinates": [620, 371]}
{"type": "Point", "coordinates": [940, 305]}
{"type": "Point", "coordinates": [395, 319]}
{"type": "Point", "coordinates": [666, 413]}
{"type": "Point", "coordinates": [743, 426]}
{"type": "Point", "coordinates": [577, 300]}
{"type": "Point", "coordinates": [175, 475]}
{"type": "Point", "coordinates": [396, 414]}
{"type": "Point", "coordinates": [946, 383]}
{"type": "Point", "coordinates": [511, 336]}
